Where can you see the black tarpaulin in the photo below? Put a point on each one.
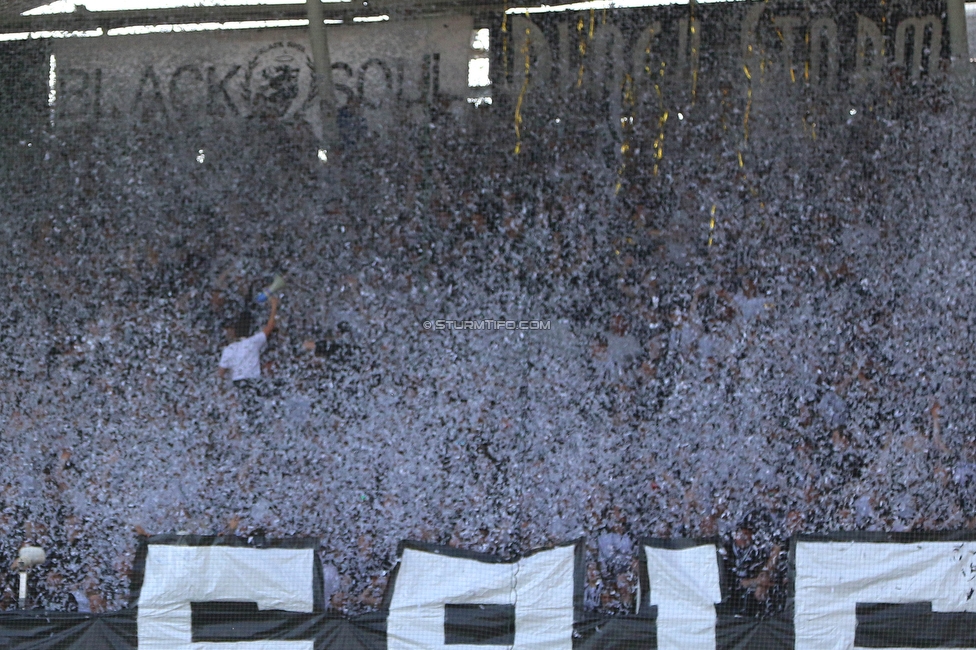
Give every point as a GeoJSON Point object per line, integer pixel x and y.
{"type": "Point", "coordinates": [617, 632]}
{"type": "Point", "coordinates": [484, 624]}
{"type": "Point", "coordinates": [912, 625]}
{"type": "Point", "coordinates": [745, 633]}
{"type": "Point", "coordinates": [39, 630]}
{"type": "Point", "coordinates": [237, 622]}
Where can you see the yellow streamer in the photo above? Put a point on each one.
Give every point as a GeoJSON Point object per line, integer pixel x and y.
{"type": "Point", "coordinates": [695, 62]}
{"type": "Point", "coordinates": [583, 40]}
{"type": "Point", "coordinates": [582, 51]}
{"type": "Point", "coordinates": [711, 225]}
{"type": "Point", "coordinates": [626, 126]}
{"type": "Point", "coordinates": [661, 120]}
{"type": "Point", "coordinates": [745, 117]}
{"type": "Point", "coordinates": [521, 97]}
{"type": "Point", "coordinates": [806, 64]}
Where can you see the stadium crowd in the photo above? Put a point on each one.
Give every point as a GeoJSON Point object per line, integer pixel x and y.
{"type": "Point", "coordinates": [746, 352]}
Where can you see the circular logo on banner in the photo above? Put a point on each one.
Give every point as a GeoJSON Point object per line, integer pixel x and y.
{"type": "Point", "coordinates": [279, 82]}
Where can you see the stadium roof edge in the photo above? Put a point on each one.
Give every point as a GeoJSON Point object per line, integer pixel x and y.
{"type": "Point", "coordinates": [81, 19]}
{"type": "Point", "coordinates": [13, 8]}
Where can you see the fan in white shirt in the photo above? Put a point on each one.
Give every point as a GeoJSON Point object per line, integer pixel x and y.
{"type": "Point", "coordinates": [243, 356]}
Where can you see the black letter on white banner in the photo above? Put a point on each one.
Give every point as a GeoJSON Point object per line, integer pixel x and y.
{"type": "Point", "coordinates": [479, 624]}
{"type": "Point", "coordinates": [912, 625]}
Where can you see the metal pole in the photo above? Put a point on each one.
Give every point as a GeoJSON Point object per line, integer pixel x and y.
{"type": "Point", "coordinates": [23, 590]}
{"type": "Point", "coordinates": [323, 75]}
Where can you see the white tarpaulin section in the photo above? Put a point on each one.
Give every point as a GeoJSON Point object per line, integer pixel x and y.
{"type": "Point", "coordinates": [684, 584]}
{"type": "Point", "coordinates": [179, 575]}
{"type": "Point", "coordinates": [832, 577]}
{"type": "Point", "coordinates": [386, 68]}
{"type": "Point", "coordinates": [539, 586]}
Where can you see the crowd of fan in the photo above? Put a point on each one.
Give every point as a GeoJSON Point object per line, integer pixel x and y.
{"type": "Point", "coordinates": [743, 352]}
